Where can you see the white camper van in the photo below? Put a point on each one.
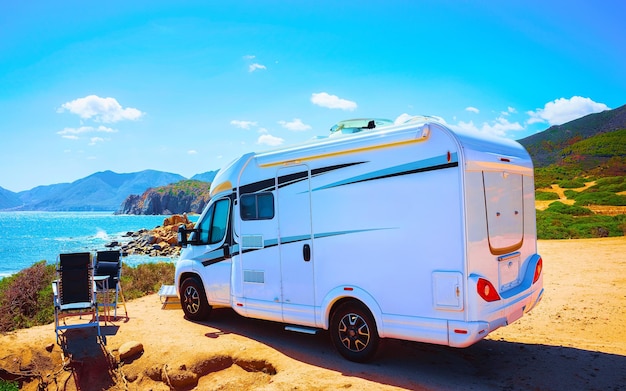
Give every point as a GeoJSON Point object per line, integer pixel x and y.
{"type": "Point", "coordinates": [407, 231]}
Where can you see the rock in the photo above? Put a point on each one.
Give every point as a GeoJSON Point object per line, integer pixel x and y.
{"type": "Point", "coordinates": [130, 349]}
{"type": "Point", "coordinates": [154, 373]}
{"type": "Point", "coordinates": [180, 378]}
{"type": "Point", "coordinates": [49, 347]}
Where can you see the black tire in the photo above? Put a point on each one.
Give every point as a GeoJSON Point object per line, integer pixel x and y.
{"type": "Point", "coordinates": [353, 332]}
{"type": "Point", "coordinates": [193, 300]}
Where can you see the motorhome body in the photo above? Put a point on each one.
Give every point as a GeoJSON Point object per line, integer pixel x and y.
{"type": "Point", "coordinates": [407, 231]}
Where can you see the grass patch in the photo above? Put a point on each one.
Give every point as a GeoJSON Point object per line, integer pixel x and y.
{"type": "Point", "coordinates": [545, 196]}
{"type": "Point", "coordinates": [610, 184]}
{"type": "Point", "coordinates": [571, 194]}
{"type": "Point", "coordinates": [600, 198]}
{"type": "Point", "coordinates": [571, 184]}
{"type": "Point", "coordinates": [146, 278]}
{"type": "Point", "coordinates": [6, 385]}
{"type": "Point", "coordinates": [574, 222]}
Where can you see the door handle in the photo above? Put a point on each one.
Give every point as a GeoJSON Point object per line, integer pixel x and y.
{"type": "Point", "coordinates": [306, 252]}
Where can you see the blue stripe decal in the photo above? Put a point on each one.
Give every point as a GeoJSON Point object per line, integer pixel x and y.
{"type": "Point", "coordinates": [408, 168]}
{"type": "Point", "coordinates": [299, 238]}
{"type": "Point", "coordinates": [294, 239]}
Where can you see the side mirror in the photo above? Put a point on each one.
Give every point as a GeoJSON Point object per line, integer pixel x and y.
{"type": "Point", "coordinates": [182, 235]}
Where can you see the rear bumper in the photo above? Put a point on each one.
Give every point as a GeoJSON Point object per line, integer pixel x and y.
{"type": "Point", "coordinates": [464, 334]}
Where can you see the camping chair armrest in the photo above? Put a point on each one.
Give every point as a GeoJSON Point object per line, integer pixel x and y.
{"type": "Point", "coordinates": [104, 280]}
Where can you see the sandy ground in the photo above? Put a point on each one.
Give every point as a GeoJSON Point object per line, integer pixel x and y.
{"type": "Point", "coordinates": [574, 340]}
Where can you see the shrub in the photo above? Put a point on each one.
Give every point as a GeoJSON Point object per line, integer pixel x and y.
{"type": "Point", "coordinates": [610, 184]}
{"type": "Point", "coordinates": [6, 385]}
{"type": "Point", "coordinates": [571, 194]}
{"type": "Point", "coordinates": [600, 198]}
{"type": "Point", "coordinates": [146, 278]}
{"type": "Point", "coordinates": [559, 207]}
{"type": "Point", "coordinates": [554, 225]}
{"type": "Point", "coordinates": [546, 196]}
{"type": "Point", "coordinates": [572, 183]}
{"type": "Point", "coordinates": [26, 298]}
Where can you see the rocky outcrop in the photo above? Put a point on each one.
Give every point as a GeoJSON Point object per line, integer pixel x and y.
{"type": "Point", "coordinates": [161, 241]}
{"type": "Point", "coordinates": [187, 196]}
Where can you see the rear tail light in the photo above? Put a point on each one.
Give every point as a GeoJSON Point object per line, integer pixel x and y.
{"type": "Point", "coordinates": [538, 270]}
{"type": "Point", "coordinates": [486, 290]}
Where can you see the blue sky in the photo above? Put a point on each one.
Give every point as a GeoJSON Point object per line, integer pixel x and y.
{"type": "Point", "coordinates": [187, 86]}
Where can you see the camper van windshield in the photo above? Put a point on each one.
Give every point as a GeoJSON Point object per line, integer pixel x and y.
{"type": "Point", "coordinates": [212, 225]}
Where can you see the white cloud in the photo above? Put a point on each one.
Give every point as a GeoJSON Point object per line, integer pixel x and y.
{"type": "Point", "coordinates": [295, 125]}
{"type": "Point", "coordinates": [255, 66]}
{"type": "Point", "coordinates": [249, 57]}
{"type": "Point", "coordinates": [472, 109]}
{"type": "Point", "coordinates": [510, 110]}
{"type": "Point", "coordinates": [95, 140]}
{"type": "Point", "coordinates": [243, 124]}
{"type": "Point", "coordinates": [324, 99]}
{"type": "Point", "coordinates": [268, 139]}
{"type": "Point", "coordinates": [563, 110]}
{"type": "Point", "coordinates": [72, 133]}
{"type": "Point", "coordinates": [192, 152]}
{"type": "Point", "coordinates": [106, 130]}
{"type": "Point", "coordinates": [100, 109]}
{"type": "Point", "coordinates": [499, 127]}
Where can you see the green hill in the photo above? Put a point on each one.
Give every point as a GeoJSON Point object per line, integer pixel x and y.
{"type": "Point", "coordinates": [548, 147]}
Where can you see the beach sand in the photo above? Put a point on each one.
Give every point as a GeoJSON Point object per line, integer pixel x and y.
{"type": "Point", "coordinates": [575, 339]}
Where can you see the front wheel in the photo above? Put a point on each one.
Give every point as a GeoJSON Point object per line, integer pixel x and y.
{"type": "Point", "coordinates": [193, 300]}
{"type": "Point", "coordinates": [353, 332]}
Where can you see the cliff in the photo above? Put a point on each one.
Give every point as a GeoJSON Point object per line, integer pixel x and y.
{"type": "Point", "coordinates": [187, 196]}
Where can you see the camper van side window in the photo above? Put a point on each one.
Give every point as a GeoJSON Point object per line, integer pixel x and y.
{"type": "Point", "coordinates": [258, 206]}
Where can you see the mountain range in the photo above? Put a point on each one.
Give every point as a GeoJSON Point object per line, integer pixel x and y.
{"type": "Point", "coordinates": [102, 191]}
{"type": "Point", "coordinates": [594, 144]}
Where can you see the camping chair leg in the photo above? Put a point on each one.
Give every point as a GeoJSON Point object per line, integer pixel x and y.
{"type": "Point", "coordinates": [123, 302]}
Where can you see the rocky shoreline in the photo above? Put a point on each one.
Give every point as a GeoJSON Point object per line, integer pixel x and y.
{"type": "Point", "coordinates": [161, 241]}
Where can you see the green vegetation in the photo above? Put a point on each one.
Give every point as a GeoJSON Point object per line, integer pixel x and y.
{"type": "Point", "coordinates": [571, 194]}
{"type": "Point", "coordinates": [559, 207]}
{"type": "Point", "coordinates": [546, 196]}
{"type": "Point", "coordinates": [26, 297]}
{"type": "Point", "coordinates": [6, 385]}
{"type": "Point", "coordinates": [187, 187]}
{"type": "Point", "coordinates": [572, 183]}
{"type": "Point", "coordinates": [146, 278]}
{"type": "Point", "coordinates": [611, 184]}
{"type": "Point", "coordinates": [600, 198]}
{"type": "Point", "coordinates": [546, 176]}
{"type": "Point", "coordinates": [601, 145]}
{"type": "Point", "coordinates": [562, 221]}
{"type": "Point", "coordinates": [602, 193]}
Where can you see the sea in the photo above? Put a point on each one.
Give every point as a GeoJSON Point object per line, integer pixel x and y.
{"type": "Point", "coordinates": [30, 237]}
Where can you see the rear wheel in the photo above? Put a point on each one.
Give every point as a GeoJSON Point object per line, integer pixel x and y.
{"type": "Point", "coordinates": [193, 300]}
{"type": "Point", "coordinates": [353, 332]}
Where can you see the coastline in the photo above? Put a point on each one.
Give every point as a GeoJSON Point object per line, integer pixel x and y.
{"type": "Point", "coordinates": [29, 237]}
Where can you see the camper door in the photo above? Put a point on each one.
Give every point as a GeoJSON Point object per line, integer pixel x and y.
{"type": "Point", "coordinates": [296, 243]}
